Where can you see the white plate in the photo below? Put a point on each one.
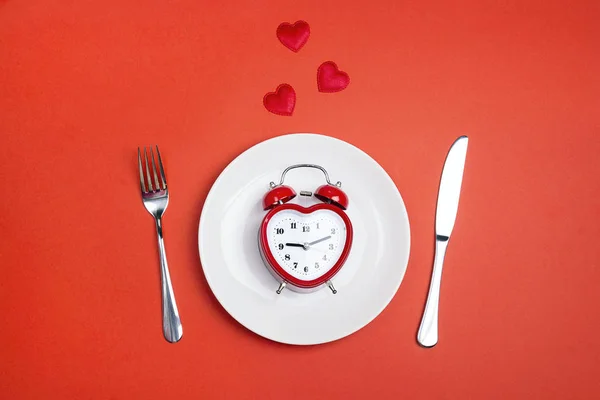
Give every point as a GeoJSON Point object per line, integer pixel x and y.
{"type": "Point", "coordinates": [228, 241]}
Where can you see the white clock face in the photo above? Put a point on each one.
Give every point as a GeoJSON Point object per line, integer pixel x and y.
{"type": "Point", "coordinates": [306, 245]}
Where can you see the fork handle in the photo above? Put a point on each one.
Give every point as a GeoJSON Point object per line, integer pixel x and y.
{"type": "Point", "coordinates": [172, 329]}
{"type": "Point", "coordinates": [428, 331]}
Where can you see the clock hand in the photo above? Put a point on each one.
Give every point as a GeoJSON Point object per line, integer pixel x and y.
{"type": "Point", "coordinates": [296, 245]}
{"type": "Point", "coordinates": [320, 240]}
{"type": "Point", "coordinates": [306, 246]}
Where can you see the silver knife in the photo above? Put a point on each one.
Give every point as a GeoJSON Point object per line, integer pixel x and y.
{"type": "Point", "coordinates": [445, 216]}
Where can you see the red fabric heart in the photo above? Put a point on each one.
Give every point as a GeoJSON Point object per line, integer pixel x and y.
{"type": "Point", "coordinates": [293, 36]}
{"type": "Point", "coordinates": [282, 101]}
{"type": "Point", "coordinates": [330, 79]}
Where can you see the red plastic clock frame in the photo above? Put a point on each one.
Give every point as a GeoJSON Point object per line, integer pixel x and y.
{"type": "Point", "coordinates": [305, 210]}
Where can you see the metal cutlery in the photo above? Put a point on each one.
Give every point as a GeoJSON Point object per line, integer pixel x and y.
{"type": "Point", "coordinates": [156, 199]}
{"type": "Point", "coordinates": [447, 207]}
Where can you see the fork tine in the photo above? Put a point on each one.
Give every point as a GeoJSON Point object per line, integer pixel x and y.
{"type": "Point", "coordinates": [154, 170]}
{"type": "Point", "coordinates": [142, 184]}
{"type": "Point", "coordinates": [148, 170]}
{"type": "Point", "coordinates": [162, 171]}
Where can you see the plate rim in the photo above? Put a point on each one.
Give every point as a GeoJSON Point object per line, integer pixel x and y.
{"type": "Point", "coordinates": [344, 333]}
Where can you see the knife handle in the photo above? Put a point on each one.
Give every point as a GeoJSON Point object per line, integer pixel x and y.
{"type": "Point", "coordinates": [428, 331]}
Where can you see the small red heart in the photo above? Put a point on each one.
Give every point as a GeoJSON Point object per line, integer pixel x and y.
{"type": "Point", "coordinates": [282, 101]}
{"type": "Point", "coordinates": [330, 79]}
{"type": "Point", "coordinates": [293, 36]}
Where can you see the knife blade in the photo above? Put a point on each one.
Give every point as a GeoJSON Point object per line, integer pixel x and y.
{"type": "Point", "coordinates": [445, 218]}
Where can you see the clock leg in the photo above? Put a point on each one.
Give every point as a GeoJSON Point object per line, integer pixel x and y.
{"type": "Point", "coordinates": [333, 289]}
{"type": "Point", "coordinates": [281, 287]}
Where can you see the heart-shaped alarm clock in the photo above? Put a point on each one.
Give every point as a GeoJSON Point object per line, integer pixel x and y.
{"type": "Point", "coordinates": [305, 247]}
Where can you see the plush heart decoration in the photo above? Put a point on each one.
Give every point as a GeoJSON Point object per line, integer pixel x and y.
{"type": "Point", "coordinates": [293, 36]}
{"type": "Point", "coordinates": [282, 101]}
{"type": "Point", "coordinates": [330, 79]}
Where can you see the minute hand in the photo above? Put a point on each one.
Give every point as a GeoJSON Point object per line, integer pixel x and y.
{"type": "Point", "coordinates": [320, 240]}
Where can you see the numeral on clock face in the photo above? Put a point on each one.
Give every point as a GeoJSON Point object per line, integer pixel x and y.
{"type": "Point", "coordinates": [306, 229]}
{"type": "Point", "coordinates": [293, 225]}
{"type": "Point", "coordinates": [280, 246]}
{"type": "Point", "coordinates": [287, 257]}
{"type": "Point", "coordinates": [279, 231]}
{"type": "Point", "coordinates": [295, 265]}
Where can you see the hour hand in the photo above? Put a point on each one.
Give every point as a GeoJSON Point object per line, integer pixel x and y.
{"type": "Point", "coordinates": [295, 245]}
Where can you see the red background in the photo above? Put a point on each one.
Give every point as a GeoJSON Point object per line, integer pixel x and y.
{"type": "Point", "coordinates": [84, 83]}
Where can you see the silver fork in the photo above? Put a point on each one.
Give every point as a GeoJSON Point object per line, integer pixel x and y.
{"type": "Point", "coordinates": [156, 200]}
